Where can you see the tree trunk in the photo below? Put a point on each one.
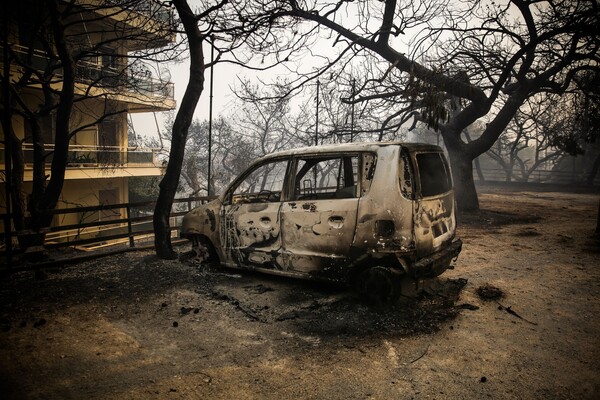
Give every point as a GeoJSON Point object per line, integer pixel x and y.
{"type": "Point", "coordinates": [508, 173]}
{"type": "Point", "coordinates": [464, 184]}
{"type": "Point", "coordinates": [16, 182]}
{"type": "Point", "coordinates": [598, 221]}
{"type": "Point", "coordinates": [480, 174]}
{"type": "Point", "coordinates": [41, 211]}
{"type": "Point", "coordinates": [461, 163]}
{"type": "Point", "coordinates": [183, 120]}
{"type": "Point", "coordinates": [44, 199]}
{"type": "Point", "coordinates": [476, 161]}
{"type": "Point", "coordinates": [594, 171]}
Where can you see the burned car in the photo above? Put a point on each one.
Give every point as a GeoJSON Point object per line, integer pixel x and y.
{"type": "Point", "coordinates": [373, 214]}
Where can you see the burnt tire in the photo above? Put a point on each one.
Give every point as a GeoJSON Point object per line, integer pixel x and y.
{"type": "Point", "coordinates": [381, 285]}
{"type": "Point", "coordinates": [203, 250]}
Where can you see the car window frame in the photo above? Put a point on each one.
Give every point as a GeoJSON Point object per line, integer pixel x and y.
{"type": "Point", "coordinates": [359, 181]}
{"type": "Point", "coordinates": [228, 194]}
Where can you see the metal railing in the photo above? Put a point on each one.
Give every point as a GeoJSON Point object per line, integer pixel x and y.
{"type": "Point", "coordinates": [121, 80]}
{"type": "Point", "coordinates": [115, 224]}
{"type": "Point", "coordinates": [556, 177]}
{"type": "Point", "coordinates": [154, 10]}
{"type": "Point", "coordinates": [95, 156]}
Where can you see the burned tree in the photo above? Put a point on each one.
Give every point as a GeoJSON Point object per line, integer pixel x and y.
{"type": "Point", "coordinates": [526, 144]}
{"type": "Point", "coordinates": [232, 150]}
{"type": "Point", "coordinates": [183, 120]}
{"type": "Point", "coordinates": [231, 28]}
{"type": "Point", "coordinates": [491, 56]}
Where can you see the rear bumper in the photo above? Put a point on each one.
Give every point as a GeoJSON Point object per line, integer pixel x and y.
{"type": "Point", "coordinates": [436, 263]}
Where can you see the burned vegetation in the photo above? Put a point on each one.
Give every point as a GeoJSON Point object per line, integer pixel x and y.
{"type": "Point", "coordinates": [131, 286]}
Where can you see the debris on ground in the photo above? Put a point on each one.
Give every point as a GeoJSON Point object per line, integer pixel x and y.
{"type": "Point", "coordinates": [489, 292]}
{"type": "Point", "coordinates": [467, 306]}
{"type": "Point", "coordinates": [513, 312]}
{"type": "Point", "coordinates": [109, 324]}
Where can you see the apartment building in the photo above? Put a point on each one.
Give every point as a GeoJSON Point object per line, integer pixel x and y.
{"type": "Point", "coordinates": [116, 42]}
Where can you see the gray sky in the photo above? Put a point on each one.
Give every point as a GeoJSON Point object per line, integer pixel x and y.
{"type": "Point", "coordinates": [226, 77]}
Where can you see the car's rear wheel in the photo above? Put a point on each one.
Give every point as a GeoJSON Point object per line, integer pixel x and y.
{"type": "Point", "coordinates": [381, 284]}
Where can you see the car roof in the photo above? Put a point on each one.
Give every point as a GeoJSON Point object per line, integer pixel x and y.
{"type": "Point", "coordinates": [352, 147]}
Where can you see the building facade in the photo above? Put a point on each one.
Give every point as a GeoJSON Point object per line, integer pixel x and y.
{"type": "Point", "coordinates": [114, 44]}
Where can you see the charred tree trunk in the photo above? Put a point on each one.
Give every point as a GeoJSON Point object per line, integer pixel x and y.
{"type": "Point", "coordinates": [464, 184]}
{"type": "Point", "coordinates": [594, 171]}
{"type": "Point", "coordinates": [39, 164]}
{"type": "Point", "coordinates": [6, 115]}
{"type": "Point", "coordinates": [476, 160]}
{"type": "Point", "coordinates": [461, 163]}
{"type": "Point", "coordinates": [31, 237]}
{"type": "Point", "coordinates": [44, 199]}
{"type": "Point", "coordinates": [462, 154]}
{"type": "Point", "coordinates": [41, 207]}
{"type": "Point", "coordinates": [16, 184]}
{"type": "Point", "coordinates": [168, 185]}
{"type": "Point", "coordinates": [480, 174]}
{"type": "Point", "coordinates": [598, 221]}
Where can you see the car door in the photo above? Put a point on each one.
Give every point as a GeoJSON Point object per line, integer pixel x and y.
{"type": "Point", "coordinates": [250, 220]}
{"type": "Point", "coordinates": [319, 218]}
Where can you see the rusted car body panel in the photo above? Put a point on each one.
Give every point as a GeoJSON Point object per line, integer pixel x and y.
{"type": "Point", "coordinates": [333, 212]}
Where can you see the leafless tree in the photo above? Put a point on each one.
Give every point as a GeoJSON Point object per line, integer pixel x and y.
{"type": "Point", "coordinates": [227, 26]}
{"type": "Point", "coordinates": [183, 119]}
{"type": "Point", "coordinates": [265, 122]}
{"type": "Point", "coordinates": [231, 152]}
{"type": "Point", "coordinates": [253, 129]}
{"type": "Point", "coordinates": [525, 145]}
{"type": "Point", "coordinates": [491, 55]}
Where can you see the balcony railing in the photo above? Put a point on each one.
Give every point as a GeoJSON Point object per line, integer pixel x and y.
{"type": "Point", "coordinates": [120, 80]}
{"type": "Point", "coordinates": [156, 11]}
{"type": "Point", "coordinates": [96, 156]}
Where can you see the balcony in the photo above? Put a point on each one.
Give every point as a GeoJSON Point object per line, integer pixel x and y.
{"type": "Point", "coordinates": [156, 19]}
{"type": "Point", "coordinates": [155, 11]}
{"type": "Point", "coordinates": [124, 82]}
{"type": "Point", "coordinates": [96, 156]}
{"type": "Point", "coordinates": [112, 161]}
{"type": "Point", "coordinates": [135, 86]}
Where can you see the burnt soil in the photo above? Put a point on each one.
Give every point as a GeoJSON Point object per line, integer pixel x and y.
{"type": "Point", "coordinates": [516, 318]}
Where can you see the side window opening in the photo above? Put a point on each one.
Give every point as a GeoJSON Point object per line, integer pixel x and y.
{"type": "Point", "coordinates": [332, 177]}
{"type": "Point", "coordinates": [263, 184]}
{"type": "Point", "coordinates": [433, 174]}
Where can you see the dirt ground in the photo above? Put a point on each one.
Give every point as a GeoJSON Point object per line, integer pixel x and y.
{"type": "Point", "coordinates": [134, 327]}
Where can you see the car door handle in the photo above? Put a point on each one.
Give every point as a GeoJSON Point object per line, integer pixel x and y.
{"type": "Point", "coordinates": [336, 221]}
{"type": "Point", "coordinates": [265, 222]}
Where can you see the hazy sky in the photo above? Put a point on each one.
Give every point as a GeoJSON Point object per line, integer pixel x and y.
{"type": "Point", "coordinates": [226, 76]}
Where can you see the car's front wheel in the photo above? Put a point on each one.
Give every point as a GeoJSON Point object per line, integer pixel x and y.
{"type": "Point", "coordinates": [203, 250]}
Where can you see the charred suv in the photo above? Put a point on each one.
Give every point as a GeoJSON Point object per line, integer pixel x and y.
{"type": "Point", "coordinates": [373, 214]}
